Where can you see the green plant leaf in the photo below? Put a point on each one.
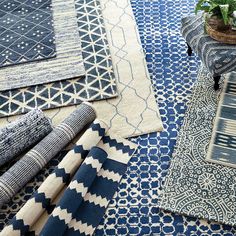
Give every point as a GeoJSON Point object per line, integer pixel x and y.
{"type": "Point", "coordinates": [224, 12]}
{"type": "Point", "coordinates": [200, 5]}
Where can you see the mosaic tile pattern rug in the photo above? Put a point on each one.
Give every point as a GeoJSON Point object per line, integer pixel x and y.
{"type": "Point", "coordinates": [99, 82]}
{"type": "Point", "coordinates": [223, 141]}
{"type": "Point", "coordinates": [67, 64]}
{"type": "Point", "coordinates": [26, 32]}
{"type": "Point", "coordinates": [193, 186]}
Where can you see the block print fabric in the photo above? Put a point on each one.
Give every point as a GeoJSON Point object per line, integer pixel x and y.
{"type": "Point", "coordinates": [106, 163]}
{"type": "Point", "coordinates": [193, 186]}
{"type": "Point", "coordinates": [223, 141]}
{"type": "Point", "coordinates": [26, 32]}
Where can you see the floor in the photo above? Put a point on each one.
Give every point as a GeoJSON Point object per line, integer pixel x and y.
{"type": "Point", "coordinates": [134, 211]}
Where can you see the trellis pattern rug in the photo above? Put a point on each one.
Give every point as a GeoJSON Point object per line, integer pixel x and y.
{"type": "Point", "coordinates": [193, 186]}
{"type": "Point", "coordinates": [99, 82]}
{"type": "Point", "coordinates": [67, 64]}
{"type": "Point", "coordinates": [223, 141]}
{"type": "Point", "coordinates": [135, 111]}
{"type": "Point", "coordinates": [26, 32]}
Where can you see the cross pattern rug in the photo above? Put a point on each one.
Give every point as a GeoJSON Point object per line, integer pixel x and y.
{"type": "Point", "coordinates": [26, 32]}
{"type": "Point", "coordinates": [135, 111]}
{"type": "Point", "coordinates": [223, 141]}
{"type": "Point", "coordinates": [99, 82]}
{"type": "Point", "coordinates": [193, 186]}
{"type": "Point", "coordinates": [97, 162]}
{"type": "Point", "coordinates": [67, 64]}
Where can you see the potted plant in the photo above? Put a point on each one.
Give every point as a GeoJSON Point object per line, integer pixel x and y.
{"type": "Point", "coordinates": [219, 12]}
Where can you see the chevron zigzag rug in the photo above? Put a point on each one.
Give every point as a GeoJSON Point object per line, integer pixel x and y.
{"type": "Point", "coordinates": [92, 170]}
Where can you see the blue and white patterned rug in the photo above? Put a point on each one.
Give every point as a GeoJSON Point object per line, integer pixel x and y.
{"type": "Point", "coordinates": [135, 210]}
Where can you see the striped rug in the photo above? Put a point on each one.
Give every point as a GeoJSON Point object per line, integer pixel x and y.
{"type": "Point", "coordinates": [92, 171]}
{"type": "Point", "coordinates": [223, 142]}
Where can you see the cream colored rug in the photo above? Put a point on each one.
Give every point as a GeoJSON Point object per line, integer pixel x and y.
{"type": "Point", "coordinates": [135, 111]}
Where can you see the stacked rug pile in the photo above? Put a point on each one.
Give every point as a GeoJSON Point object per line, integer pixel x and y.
{"type": "Point", "coordinates": [73, 85]}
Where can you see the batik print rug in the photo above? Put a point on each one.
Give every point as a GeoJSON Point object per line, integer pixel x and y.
{"type": "Point", "coordinates": [26, 32]}
{"type": "Point", "coordinates": [99, 82]}
{"type": "Point", "coordinates": [223, 141]}
{"type": "Point", "coordinates": [134, 211]}
{"type": "Point", "coordinates": [193, 186]}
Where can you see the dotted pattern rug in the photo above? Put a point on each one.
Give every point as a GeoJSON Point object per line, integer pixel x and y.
{"type": "Point", "coordinates": [26, 32]}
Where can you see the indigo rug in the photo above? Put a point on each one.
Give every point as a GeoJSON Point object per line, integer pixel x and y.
{"type": "Point", "coordinates": [223, 141]}
{"type": "Point", "coordinates": [193, 186]}
{"type": "Point", "coordinates": [134, 211]}
{"type": "Point", "coordinates": [99, 82]}
{"type": "Point", "coordinates": [67, 64]}
{"type": "Point", "coordinates": [135, 111]}
{"type": "Point", "coordinates": [98, 155]}
{"type": "Point", "coordinates": [22, 134]}
{"type": "Point", "coordinates": [26, 32]}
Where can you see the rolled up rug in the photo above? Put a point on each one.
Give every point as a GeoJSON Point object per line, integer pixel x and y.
{"type": "Point", "coordinates": [22, 134]}
{"type": "Point", "coordinates": [31, 163]}
{"type": "Point", "coordinates": [41, 200]}
{"type": "Point", "coordinates": [79, 186]}
{"type": "Point", "coordinates": [98, 167]}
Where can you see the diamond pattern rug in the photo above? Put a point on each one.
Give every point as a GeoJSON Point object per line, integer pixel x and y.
{"type": "Point", "coordinates": [99, 82]}
{"type": "Point", "coordinates": [66, 65]}
{"type": "Point", "coordinates": [26, 31]}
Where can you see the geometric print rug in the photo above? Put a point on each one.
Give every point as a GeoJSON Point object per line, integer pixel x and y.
{"type": "Point", "coordinates": [193, 186]}
{"type": "Point", "coordinates": [26, 32]}
{"type": "Point", "coordinates": [134, 210]}
{"type": "Point", "coordinates": [67, 64]}
{"type": "Point", "coordinates": [135, 111]}
{"type": "Point", "coordinates": [99, 82]}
